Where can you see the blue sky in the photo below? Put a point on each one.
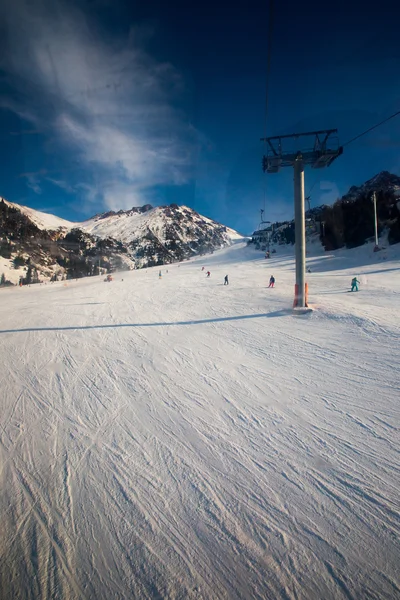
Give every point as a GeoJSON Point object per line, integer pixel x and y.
{"type": "Point", "coordinates": [108, 105]}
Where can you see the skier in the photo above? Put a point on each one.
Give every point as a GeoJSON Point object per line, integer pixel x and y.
{"type": "Point", "coordinates": [226, 280]}
{"type": "Point", "coordinates": [208, 273]}
{"type": "Point", "coordinates": [202, 268]}
{"type": "Point", "coordinates": [271, 281]}
{"type": "Point", "coordinates": [354, 284]}
{"type": "Point", "coordinates": [159, 275]}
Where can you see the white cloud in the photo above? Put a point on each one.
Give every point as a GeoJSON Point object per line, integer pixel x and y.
{"type": "Point", "coordinates": [105, 100]}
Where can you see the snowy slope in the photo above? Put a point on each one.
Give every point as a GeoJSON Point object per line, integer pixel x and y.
{"type": "Point", "coordinates": [11, 274]}
{"type": "Point", "coordinates": [43, 220]}
{"type": "Point", "coordinates": [125, 226]}
{"type": "Point", "coordinates": [176, 438]}
{"type": "Point", "coordinates": [128, 225]}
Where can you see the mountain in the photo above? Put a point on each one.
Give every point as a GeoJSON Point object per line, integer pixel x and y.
{"type": "Point", "coordinates": [41, 220]}
{"type": "Point", "coordinates": [349, 222]}
{"type": "Point", "coordinates": [45, 246]}
{"type": "Point", "coordinates": [164, 233]}
{"type": "Point", "coordinates": [383, 182]}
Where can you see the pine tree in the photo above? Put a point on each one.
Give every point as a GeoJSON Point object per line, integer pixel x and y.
{"type": "Point", "coordinates": [28, 278]}
{"type": "Point", "coordinates": [18, 261]}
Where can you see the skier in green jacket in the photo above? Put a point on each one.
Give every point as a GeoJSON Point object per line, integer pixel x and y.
{"type": "Point", "coordinates": [354, 284]}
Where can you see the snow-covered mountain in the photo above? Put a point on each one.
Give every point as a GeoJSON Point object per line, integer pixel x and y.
{"type": "Point", "coordinates": [382, 182]}
{"type": "Point", "coordinates": [128, 225]}
{"type": "Point", "coordinates": [166, 232]}
{"type": "Point", "coordinates": [165, 222]}
{"type": "Point", "coordinates": [44, 221]}
{"type": "Point", "coordinates": [139, 237]}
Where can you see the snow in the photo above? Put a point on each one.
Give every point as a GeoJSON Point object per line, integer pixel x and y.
{"type": "Point", "coordinates": [123, 226]}
{"type": "Point", "coordinates": [178, 438]}
{"type": "Point", "coordinates": [11, 274]}
{"type": "Point", "coordinates": [234, 235]}
{"type": "Point", "coordinates": [43, 220]}
{"type": "Point", "coordinates": [126, 226]}
{"type": "Point", "coordinates": [45, 272]}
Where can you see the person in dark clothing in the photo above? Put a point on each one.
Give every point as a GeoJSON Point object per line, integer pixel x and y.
{"type": "Point", "coordinates": [226, 280]}
{"type": "Point", "coordinates": [271, 281]}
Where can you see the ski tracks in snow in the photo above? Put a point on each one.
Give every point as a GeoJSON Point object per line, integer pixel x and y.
{"type": "Point", "coordinates": [248, 458]}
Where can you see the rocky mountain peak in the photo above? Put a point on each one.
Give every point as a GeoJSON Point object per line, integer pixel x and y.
{"type": "Point", "coordinates": [382, 182]}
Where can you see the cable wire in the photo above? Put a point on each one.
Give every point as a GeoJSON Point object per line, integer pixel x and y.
{"type": "Point", "coordinates": [371, 128]}
{"type": "Point", "coordinates": [269, 52]}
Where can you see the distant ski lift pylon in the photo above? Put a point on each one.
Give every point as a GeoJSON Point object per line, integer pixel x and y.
{"type": "Point", "coordinates": [325, 150]}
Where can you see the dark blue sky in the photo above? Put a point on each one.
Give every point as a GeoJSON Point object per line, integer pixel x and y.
{"type": "Point", "coordinates": [111, 104]}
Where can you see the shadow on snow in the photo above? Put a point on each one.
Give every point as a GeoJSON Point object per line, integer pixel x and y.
{"type": "Point", "coordinates": [277, 313]}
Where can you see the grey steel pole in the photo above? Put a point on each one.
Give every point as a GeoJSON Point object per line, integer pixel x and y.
{"type": "Point", "coordinates": [376, 219]}
{"type": "Point", "coordinates": [300, 230]}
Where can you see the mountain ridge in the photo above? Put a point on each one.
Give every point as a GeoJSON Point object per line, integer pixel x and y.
{"type": "Point", "coordinates": [45, 246]}
{"type": "Point", "coordinates": [382, 181]}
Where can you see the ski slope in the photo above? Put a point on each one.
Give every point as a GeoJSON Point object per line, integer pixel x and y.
{"type": "Point", "coordinates": [178, 438]}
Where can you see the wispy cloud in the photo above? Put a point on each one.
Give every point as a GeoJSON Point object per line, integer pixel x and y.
{"type": "Point", "coordinates": [61, 184]}
{"type": "Point", "coordinates": [33, 181]}
{"type": "Point", "coordinates": [104, 100]}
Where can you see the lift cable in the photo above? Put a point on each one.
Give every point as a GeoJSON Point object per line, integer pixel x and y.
{"type": "Point", "coordinates": [371, 128]}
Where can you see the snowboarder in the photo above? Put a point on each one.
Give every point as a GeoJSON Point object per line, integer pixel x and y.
{"type": "Point", "coordinates": [208, 273]}
{"type": "Point", "coordinates": [354, 284]}
{"type": "Point", "coordinates": [226, 280]}
{"type": "Point", "coordinates": [271, 281]}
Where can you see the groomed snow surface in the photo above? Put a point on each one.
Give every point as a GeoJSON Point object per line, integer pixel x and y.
{"type": "Point", "coordinates": [178, 438]}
